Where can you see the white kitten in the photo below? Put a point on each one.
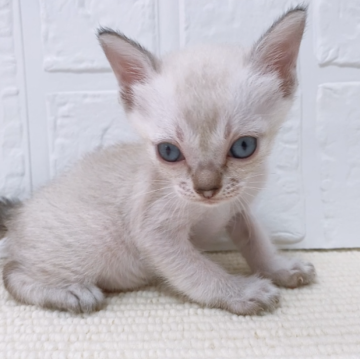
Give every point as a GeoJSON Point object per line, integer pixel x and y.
{"type": "Point", "coordinates": [131, 213]}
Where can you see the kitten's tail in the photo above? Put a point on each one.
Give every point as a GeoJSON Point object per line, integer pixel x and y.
{"type": "Point", "coordinates": [6, 209]}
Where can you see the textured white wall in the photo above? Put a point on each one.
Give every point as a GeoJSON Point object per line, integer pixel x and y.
{"type": "Point", "coordinates": [58, 99]}
{"type": "Point", "coordinates": [14, 154]}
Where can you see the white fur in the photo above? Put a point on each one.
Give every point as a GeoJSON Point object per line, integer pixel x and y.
{"type": "Point", "coordinates": [3, 248]}
{"type": "Point", "coordinates": [123, 217]}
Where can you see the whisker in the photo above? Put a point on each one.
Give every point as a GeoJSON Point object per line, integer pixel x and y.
{"type": "Point", "coordinates": [152, 191]}
{"type": "Point", "coordinates": [254, 187]}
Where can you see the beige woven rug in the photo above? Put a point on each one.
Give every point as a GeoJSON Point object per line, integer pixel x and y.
{"type": "Point", "coordinates": [320, 321]}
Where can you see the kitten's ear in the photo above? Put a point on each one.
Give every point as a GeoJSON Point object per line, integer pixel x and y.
{"type": "Point", "coordinates": [277, 50]}
{"type": "Point", "coordinates": [130, 62]}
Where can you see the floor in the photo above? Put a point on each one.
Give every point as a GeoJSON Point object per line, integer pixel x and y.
{"type": "Point", "coordinates": [319, 321]}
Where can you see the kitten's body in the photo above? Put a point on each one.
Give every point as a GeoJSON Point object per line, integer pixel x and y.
{"type": "Point", "coordinates": [110, 219]}
{"type": "Point", "coordinates": [124, 216]}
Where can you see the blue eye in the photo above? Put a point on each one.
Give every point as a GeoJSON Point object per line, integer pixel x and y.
{"type": "Point", "coordinates": [243, 147]}
{"type": "Point", "coordinates": [169, 152]}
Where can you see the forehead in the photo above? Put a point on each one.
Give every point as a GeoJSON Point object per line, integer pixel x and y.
{"type": "Point", "coordinates": [202, 96]}
{"type": "Point", "coordinates": [202, 87]}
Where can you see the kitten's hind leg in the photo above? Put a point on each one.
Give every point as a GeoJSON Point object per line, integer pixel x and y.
{"type": "Point", "coordinates": [73, 297]}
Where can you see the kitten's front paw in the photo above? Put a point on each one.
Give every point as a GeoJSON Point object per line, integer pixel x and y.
{"type": "Point", "coordinates": [292, 273]}
{"type": "Point", "coordinates": [80, 298]}
{"type": "Point", "coordinates": [253, 296]}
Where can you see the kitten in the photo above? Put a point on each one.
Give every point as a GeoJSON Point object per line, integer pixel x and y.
{"type": "Point", "coordinates": [128, 214]}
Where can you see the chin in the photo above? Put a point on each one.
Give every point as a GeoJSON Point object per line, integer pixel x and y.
{"type": "Point", "coordinates": [213, 201]}
{"type": "Point", "coordinates": [210, 202]}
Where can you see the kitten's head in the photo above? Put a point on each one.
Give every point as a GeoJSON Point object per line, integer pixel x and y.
{"type": "Point", "coordinates": [209, 115]}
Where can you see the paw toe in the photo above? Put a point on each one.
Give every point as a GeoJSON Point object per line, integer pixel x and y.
{"type": "Point", "coordinates": [297, 275]}
{"type": "Point", "coordinates": [265, 297]}
{"type": "Point", "coordinates": [84, 298]}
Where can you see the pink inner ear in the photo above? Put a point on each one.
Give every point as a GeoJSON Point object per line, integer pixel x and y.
{"type": "Point", "coordinates": [278, 50]}
{"type": "Point", "coordinates": [130, 62]}
{"type": "Point", "coordinates": [127, 70]}
{"type": "Point", "coordinates": [127, 73]}
{"type": "Point", "coordinates": [282, 59]}
{"type": "Point", "coordinates": [130, 72]}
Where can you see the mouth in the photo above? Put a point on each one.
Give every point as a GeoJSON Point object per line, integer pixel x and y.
{"type": "Point", "coordinates": [202, 200]}
{"type": "Point", "coordinates": [226, 198]}
{"type": "Point", "coordinates": [210, 201]}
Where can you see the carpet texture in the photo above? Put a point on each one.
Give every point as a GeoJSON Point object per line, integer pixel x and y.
{"type": "Point", "coordinates": [319, 321]}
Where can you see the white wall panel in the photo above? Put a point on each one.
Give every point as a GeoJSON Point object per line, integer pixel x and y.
{"type": "Point", "coordinates": [69, 28]}
{"type": "Point", "coordinates": [14, 166]}
{"type": "Point", "coordinates": [338, 32]}
{"type": "Point", "coordinates": [80, 122]}
{"type": "Point", "coordinates": [239, 22]}
{"type": "Point", "coordinates": [338, 132]}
